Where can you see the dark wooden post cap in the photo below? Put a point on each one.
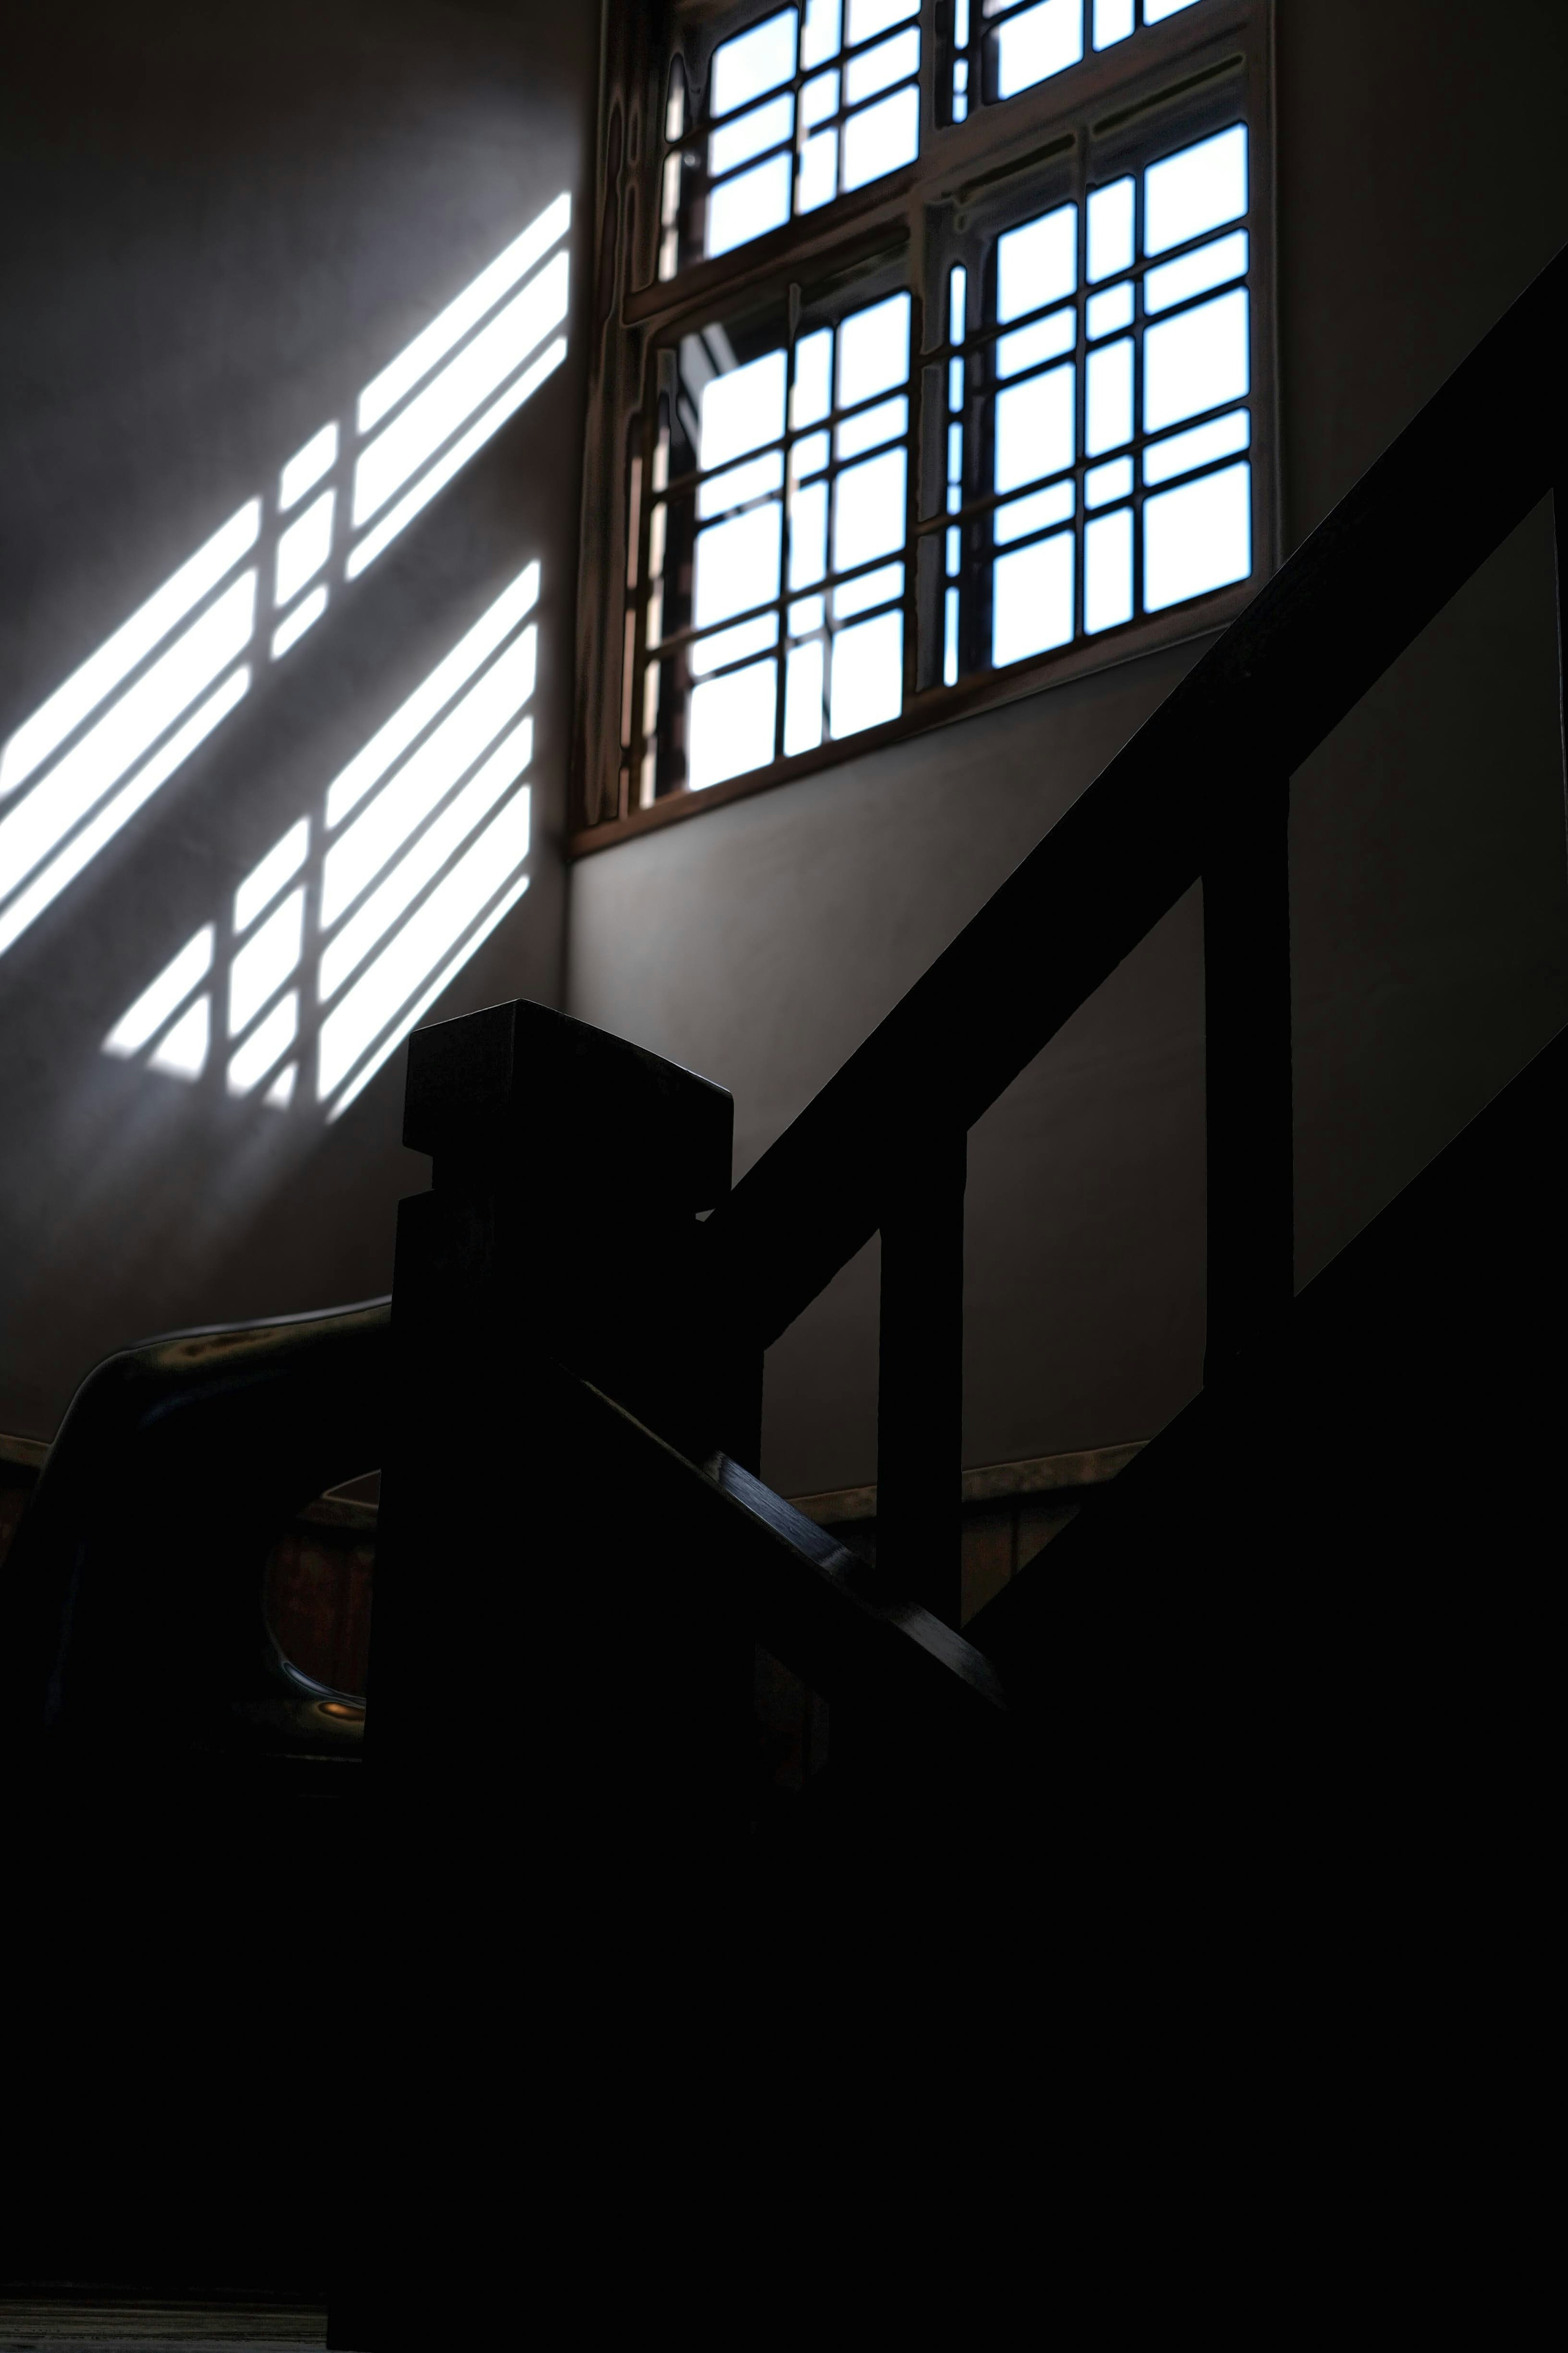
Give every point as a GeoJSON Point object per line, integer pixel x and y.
{"type": "Point", "coordinates": [561, 1104]}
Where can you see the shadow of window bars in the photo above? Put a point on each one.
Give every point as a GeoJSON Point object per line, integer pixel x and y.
{"type": "Point", "coordinates": [100, 746]}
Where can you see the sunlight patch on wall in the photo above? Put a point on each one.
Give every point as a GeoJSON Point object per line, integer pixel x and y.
{"type": "Point", "coordinates": [339, 939]}
{"type": "Point", "coordinates": [95, 752]}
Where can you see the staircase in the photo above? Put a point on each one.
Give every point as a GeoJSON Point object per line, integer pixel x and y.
{"type": "Point", "coordinates": [1235, 1707]}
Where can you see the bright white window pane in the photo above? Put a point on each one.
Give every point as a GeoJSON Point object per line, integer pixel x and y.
{"type": "Point", "coordinates": [1038, 512]}
{"type": "Point", "coordinates": [1154, 10]}
{"type": "Point", "coordinates": [819, 38]}
{"type": "Point", "coordinates": [1037, 264]}
{"type": "Point", "coordinates": [1046, 339]}
{"type": "Point", "coordinates": [819, 100]}
{"type": "Point", "coordinates": [1112, 22]}
{"type": "Point", "coordinates": [1197, 189]}
{"type": "Point", "coordinates": [1037, 43]}
{"type": "Point", "coordinates": [748, 205]}
{"type": "Point", "coordinates": [886, 422]}
{"type": "Point", "coordinates": [957, 298]}
{"type": "Point", "coordinates": [869, 510]}
{"type": "Point", "coordinates": [949, 638]}
{"type": "Point", "coordinates": [1035, 428]}
{"type": "Point", "coordinates": [1111, 219]}
{"type": "Point", "coordinates": [882, 137]}
{"type": "Point", "coordinates": [818, 182]}
{"type": "Point", "coordinates": [803, 699]}
{"type": "Point", "coordinates": [1194, 273]}
{"type": "Point", "coordinates": [808, 535]}
{"type": "Point", "coordinates": [737, 565]}
{"type": "Point", "coordinates": [733, 724]}
{"type": "Point", "coordinates": [753, 62]}
{"type": "Point", "coordinates": [742, 410]}
{"type": "Point", "coordinates": [1102, 484]}
{"type": "Point", "coordinates": [751, 480]}
{"type": "Point", "coordinates": [812, 396]}
{"type": "Point", "coordinates": [751, 134]}
{"type": "Point", "coordinates": [874, 351]}
{"type": "Point", "coordinates": [872, 589]}
{"type": "Point", "coordinates": [1031, 600]}
{"type": "Point", "coordinates": [809, 456]}
{"type": "Point", "coordinates": [878, 68]}
{"type": "Point", "coordinates": [807, 616]}
{"type": "Point", "coordinates": [1195, 361]}
{"type": "Point", "coordinates": [1197, 538]}
{"type": "Point", "coordinates": [1106, 313]}
{"type": "Point", "coordinates": [1184, 452]}
{"type": "Point", "coordinates": [747, 638]}
{"type": "Point", "coordinates": [1107, 420]}
{"type": "Point", "coordinates": [870, 18]}
{"type": "Point", "coordinates": [867, 674]}
{"type": "Point", "coordinates": [1107, 571]}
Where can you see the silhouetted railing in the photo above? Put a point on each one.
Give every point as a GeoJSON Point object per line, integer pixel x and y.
{"type": "Point", "coordinates": [1202, 791]}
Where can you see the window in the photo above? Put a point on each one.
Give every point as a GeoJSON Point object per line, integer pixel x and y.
{"type": "Point", "coordinates": [950, 370]}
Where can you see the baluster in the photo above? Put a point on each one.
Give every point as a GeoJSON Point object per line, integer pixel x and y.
{"type": "Point", "coordinates": [1247, 990]}
{"type": "Point", "coordinates": [920, 1394]}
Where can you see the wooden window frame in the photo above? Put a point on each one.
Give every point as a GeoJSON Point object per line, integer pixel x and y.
{"type": "Point", "coordinates": [1074, 128]}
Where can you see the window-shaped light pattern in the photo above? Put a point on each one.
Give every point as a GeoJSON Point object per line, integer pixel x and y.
{"type": "Point", "coordinates": [999, 48]}
{"type": "Point", "coordinates": [1098, 425]}
{"type": "Point", "coordinates": [776, 602]}
{"type": "Point", "coordinates": [806, 104]}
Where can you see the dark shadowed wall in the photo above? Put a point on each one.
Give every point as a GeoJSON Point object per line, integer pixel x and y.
{"type": "Point", "coordinates": [220, 224]}
{"type": "Point", "coordinates": [1422, 182]}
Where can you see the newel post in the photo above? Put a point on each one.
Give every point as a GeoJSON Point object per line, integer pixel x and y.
{"type": "Point", "coordinates": [558, 1739]}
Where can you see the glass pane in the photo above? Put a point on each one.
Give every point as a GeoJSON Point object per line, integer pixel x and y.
{"type": "Point", "coordinates": [737, 563]}
{"type": "Point", "coordinates": [809, 536]}
{"type": "Point", "coordinates": [819, 100]}
{"type": "Point", "coordinates": [803, 699]}
{"type": "Point", "coordinates": [874, 351]}
{"type": "Point", "coordinates": [820, 37]}
{"type": "Point", "coordinates": [733, 724]}
{"type": "Point", "coordinates": [880, 67]}
{"type": "Point", "coordinates": [809, 456]}
{"type": "Point", "coordinates": [1194, 273]}
{"type": "Point", "coordinates": [1112, 22]}
{"type": "Point", "coordinates": [882, 137]}
{"type": "Point", "coordinates": [1104, 313]}
{"type": "Point", "coordinates": [868, 511]}
{"type": "Point", "coordinates": [1195, 361]}
{"type": "Point", "coordinates": [734, 645]}
{"type": "Point", "coordinates": [751, 134]}
{"type": "Point", "coordinates": [1107, 571]}
{"type": "Point", "coordinates": [1046, 339]}
{"type": "Point", "coordinates": [878, 587]}
{"type": "Point", "coordinates": [748, 206]}
{"type": "Point", "coordinates": [813, 377]}
{"type": "Point", "coordinates": [807, 616]}
{"type": "Point", "coordinates": [1037, 43]}
{"type": "Point", "coordinates": [1110, 216]}
{"type": "Point", "coordinates": [1196, 189]}
{"type": "Point", "coordinates": [754, 480]}
{"type": "Point", "coordinates": [741, 410]}
{"type": "Point", "coordinates": [1197, 538]}
{"type": "Point", "coordinates": [753, 62]}
{"type": "Point", "coordinates": [818, 171]}
{"type": "Point", "coordinates": [886, 422]}
{"type": "Point", "coordinates": [1185, 452]}
{"type": "Point", "coordinates": [1031, 600]}
{"type": "Point", "coordinates": [870, 18]}
{"type": "Point", "coordinates": [867, 674]}
{"type": "Point", "coordinates": [1103, 483]}
{"type": "Point", "coordinates": [950, 638]}
{"type": "Point", "coordinates": [1038, 512]}
{"type": "Point", "coordinates": [1035, 428]}
{"type": "Point", "coordinates": [1037, 264]}
{"type": "Point", "coordinates": [1108, 421]}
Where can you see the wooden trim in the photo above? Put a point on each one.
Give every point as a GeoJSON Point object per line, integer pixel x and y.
{"type": "Point", "coordinates": [992, 1483]}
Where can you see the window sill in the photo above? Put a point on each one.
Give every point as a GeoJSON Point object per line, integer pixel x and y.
{"type": "Point", "coordinates": [938, 707]}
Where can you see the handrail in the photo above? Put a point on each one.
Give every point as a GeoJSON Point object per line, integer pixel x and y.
{"type": "Point", "coordinates": [1445, 493]}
